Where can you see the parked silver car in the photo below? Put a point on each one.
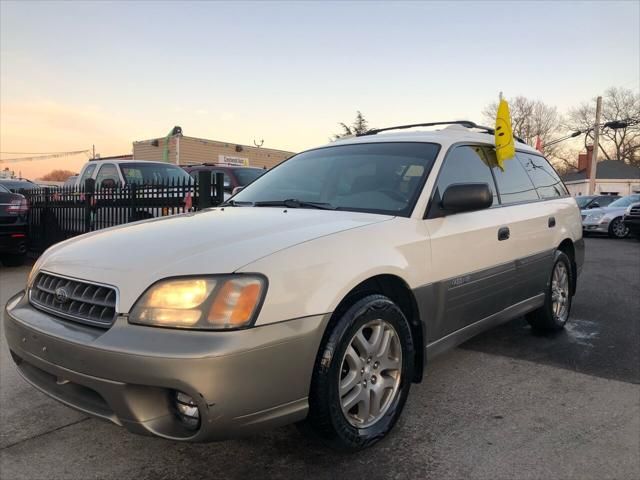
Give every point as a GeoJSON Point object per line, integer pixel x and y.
{"type": "Point", "coordinates": [609, 219]}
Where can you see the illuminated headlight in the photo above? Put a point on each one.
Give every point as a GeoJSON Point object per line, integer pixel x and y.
{"type": "Point", "coordinates": [594, 217]}
{"type": "Point", "coordinates": [213, 303]}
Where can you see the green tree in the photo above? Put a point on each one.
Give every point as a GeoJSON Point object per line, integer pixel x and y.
{"type": "Point", "coordinates": [359, 126]}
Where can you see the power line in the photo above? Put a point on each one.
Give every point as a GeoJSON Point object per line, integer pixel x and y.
{"type": "Point", "coordinates": [46, 156]}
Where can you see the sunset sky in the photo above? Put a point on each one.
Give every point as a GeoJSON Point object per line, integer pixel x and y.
{"type": "Point", "coordinates": [79, 73]}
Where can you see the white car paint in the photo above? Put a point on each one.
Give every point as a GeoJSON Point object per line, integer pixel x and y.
{"type": "Point", "coordinates": [313, 258]}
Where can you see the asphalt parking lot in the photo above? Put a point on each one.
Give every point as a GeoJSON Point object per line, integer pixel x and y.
{"type": "Point", "coordinates": [508, 404]}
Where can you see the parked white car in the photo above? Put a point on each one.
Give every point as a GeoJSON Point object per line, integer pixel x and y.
{"type": "Point", "coordinates": [318, 293]}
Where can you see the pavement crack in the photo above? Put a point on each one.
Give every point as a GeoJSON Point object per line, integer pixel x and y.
{"type": "Point", "coordinates": [45, 433]}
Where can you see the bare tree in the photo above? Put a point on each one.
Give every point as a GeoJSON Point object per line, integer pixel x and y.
{"type": "Point", "coordinates": [530, 119]}
{"type": "Point", "coordinates": [615, 144]}
{"type": "Point", "coordinates": [57, 175]}
{"type": "Point", "coordinates": [359, 126]}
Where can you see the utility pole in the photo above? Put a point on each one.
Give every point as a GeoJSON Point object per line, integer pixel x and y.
{"type": "Point", "coordinates": [596, 148]}
{"type": "Point", "coordinates": [94, 152]}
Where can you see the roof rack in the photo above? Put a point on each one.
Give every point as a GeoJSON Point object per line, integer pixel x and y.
{"type": "Point", "coordinates": [464, 123]}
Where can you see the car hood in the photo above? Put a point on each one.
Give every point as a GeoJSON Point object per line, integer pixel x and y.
{"type": "Point", "coordinates": [219, 240]}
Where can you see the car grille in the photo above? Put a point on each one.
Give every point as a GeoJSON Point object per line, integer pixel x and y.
{"type": "Point", "coordinates": [75, 300]}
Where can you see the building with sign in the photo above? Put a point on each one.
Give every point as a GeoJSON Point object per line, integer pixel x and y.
{"type": "Point", "coordinates": [179, 149]}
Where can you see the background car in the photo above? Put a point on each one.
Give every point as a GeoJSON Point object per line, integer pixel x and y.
{"type": "Point", "coordinates": [632, 219]}
{"type": "Point", "coordinates": [586, 202]}
{"type": "Point", "coordinates": [70, 182]}
{"type": "Point", "coordinates": [15, 185]}
{"type": "Point", "coordinates": [234, 176]}
{"type": "Point", "coordinates": [609, 220]}
{"type": "Point", "coordinates": [13, 227]}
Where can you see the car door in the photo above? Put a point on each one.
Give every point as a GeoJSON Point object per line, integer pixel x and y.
{"type": "Point", "coordinates": [472, 258]}
{"type": "Point", "coordinates": [533, 220]}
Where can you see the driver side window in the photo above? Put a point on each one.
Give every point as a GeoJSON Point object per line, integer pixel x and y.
{"type": "Point", "coordinates": [466, 164]}
{"type": "Point", "coordinates": [107, 171]}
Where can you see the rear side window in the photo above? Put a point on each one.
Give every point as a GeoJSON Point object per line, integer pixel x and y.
{"type": "Point", "coordinates": [467, 164]}
{"type": "Point", "coordinates": [543, 176]}
{"type": "Point", "coordinates": [514, 184]}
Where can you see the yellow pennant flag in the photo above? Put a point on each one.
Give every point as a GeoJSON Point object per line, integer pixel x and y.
{"type": "Point", "coordinates": [505, 147]}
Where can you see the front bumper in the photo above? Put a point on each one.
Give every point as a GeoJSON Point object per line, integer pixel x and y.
{"type": "Point", "coordinates": [241, 381]}
{"type": "Point", "coordinates": [633, 224]}
{"type": "Point", "coordinates": [601, 226]}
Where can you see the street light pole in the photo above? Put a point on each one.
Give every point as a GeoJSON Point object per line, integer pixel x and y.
{"type": "Point", "coordinates": [596, 147]}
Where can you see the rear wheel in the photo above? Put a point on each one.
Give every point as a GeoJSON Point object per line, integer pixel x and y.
{"type": "Point", "coordinates": [362, 375]}
{"type": "Point", "coordinates": [617, 228]}
{"type": "Point", "coordinates": [553, 315]}
{"type": "Point", "coordinates": [12, 260]}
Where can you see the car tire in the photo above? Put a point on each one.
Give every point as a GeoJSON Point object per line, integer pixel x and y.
{"type": "Point", "coordinates": [343, 361]}
{"type": "Point", "coordinates": [553, 315]}
{"type": "Point", "coordinates": [12, 260]}
{"type": "Point", "coordinates": [617, 228]}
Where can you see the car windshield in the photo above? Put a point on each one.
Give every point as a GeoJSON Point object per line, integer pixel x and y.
{"type": "Point", "coordinates": [367, 177]}
{"type": "Point", "coordinates": [625, 201]}
{"type": "Point", "coordinates": [152, 173]}
{"type": "Point", "coordinates": [583, 201]}
{"type": "Point", "coordinates": [247, 175]}
{"type": "Point", "coordinates": [4, 189]}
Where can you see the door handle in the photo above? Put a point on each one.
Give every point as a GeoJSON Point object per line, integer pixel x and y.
{"type": "Point", "coordinates": [504, 233]}
{"type": "Point", "coordinates": [552, 222]}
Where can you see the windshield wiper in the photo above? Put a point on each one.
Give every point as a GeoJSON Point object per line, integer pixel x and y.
{"type": "Point", "coordinates": [235, 203]}
{"type": "Point", "coordinates": [294, 203]}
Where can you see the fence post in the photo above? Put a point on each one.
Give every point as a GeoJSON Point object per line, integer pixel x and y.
{"type": "Point", "coordinates": [204, 189]}
{"type": "Point", "coordinates": [132, 202]}
{"type": "Point", "coordinates": [89, 191]}
{"type": "Point", "coordinates": [219, 188]}
{"type": "Point", "coordinates": [44, 219]}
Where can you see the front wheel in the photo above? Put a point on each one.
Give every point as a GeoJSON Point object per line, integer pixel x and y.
{"type": "Point", "coordinates": [362, 375]}
{"type": "Point", "coordinates": [617, 228]}
{"type": "Point", "coordinates": [553, 315]}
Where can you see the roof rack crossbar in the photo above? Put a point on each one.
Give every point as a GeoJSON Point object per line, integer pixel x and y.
{"type": "Point", "coordinates": [464, 123]}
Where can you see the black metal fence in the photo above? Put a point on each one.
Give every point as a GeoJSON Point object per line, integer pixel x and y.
{"type": "Point", "coordinates": [58, 214]}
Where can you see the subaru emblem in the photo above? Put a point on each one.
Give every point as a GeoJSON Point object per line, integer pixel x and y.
{"type": "Point", "coordinates": [61, 295]}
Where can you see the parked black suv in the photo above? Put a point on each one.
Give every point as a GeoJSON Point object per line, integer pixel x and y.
{"type": "Point", "coordinates": [13, 227]}
{"type": "Point", "coordinates": [632, 219]}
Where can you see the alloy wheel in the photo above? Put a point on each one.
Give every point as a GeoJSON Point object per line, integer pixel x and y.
{"type": "Point", "coordinates": [560, 292]}
{"type": "Point", "coordinates": [619, 229]}
{"type": "Point", "coordinates": [370, 373]}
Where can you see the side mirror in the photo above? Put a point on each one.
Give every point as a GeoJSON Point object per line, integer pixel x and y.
{"type": "Point", "coordinates": [108, 183]}
{"type": "Point", "coordinates": [466, 197]}
{"type": "Point", "coordinates": [236, 190]}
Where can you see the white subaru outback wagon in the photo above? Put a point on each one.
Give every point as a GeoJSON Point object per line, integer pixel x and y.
{"type": "Point", "coordinates": [315, 295]}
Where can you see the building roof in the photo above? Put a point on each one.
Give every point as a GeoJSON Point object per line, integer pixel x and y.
{"type": "Point", "coordinates": [606, 170]}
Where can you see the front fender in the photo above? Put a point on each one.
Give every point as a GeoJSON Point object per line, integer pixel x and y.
{"type": "Point", "coordinates": [313, 277]}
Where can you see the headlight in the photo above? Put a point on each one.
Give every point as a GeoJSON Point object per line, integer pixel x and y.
{"type": "Point", "coordinates": [595, 217]}
{"type": "Point", "coordinates": [214, 303]}
{"type": "Point", "coordinates": [628, 210]}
